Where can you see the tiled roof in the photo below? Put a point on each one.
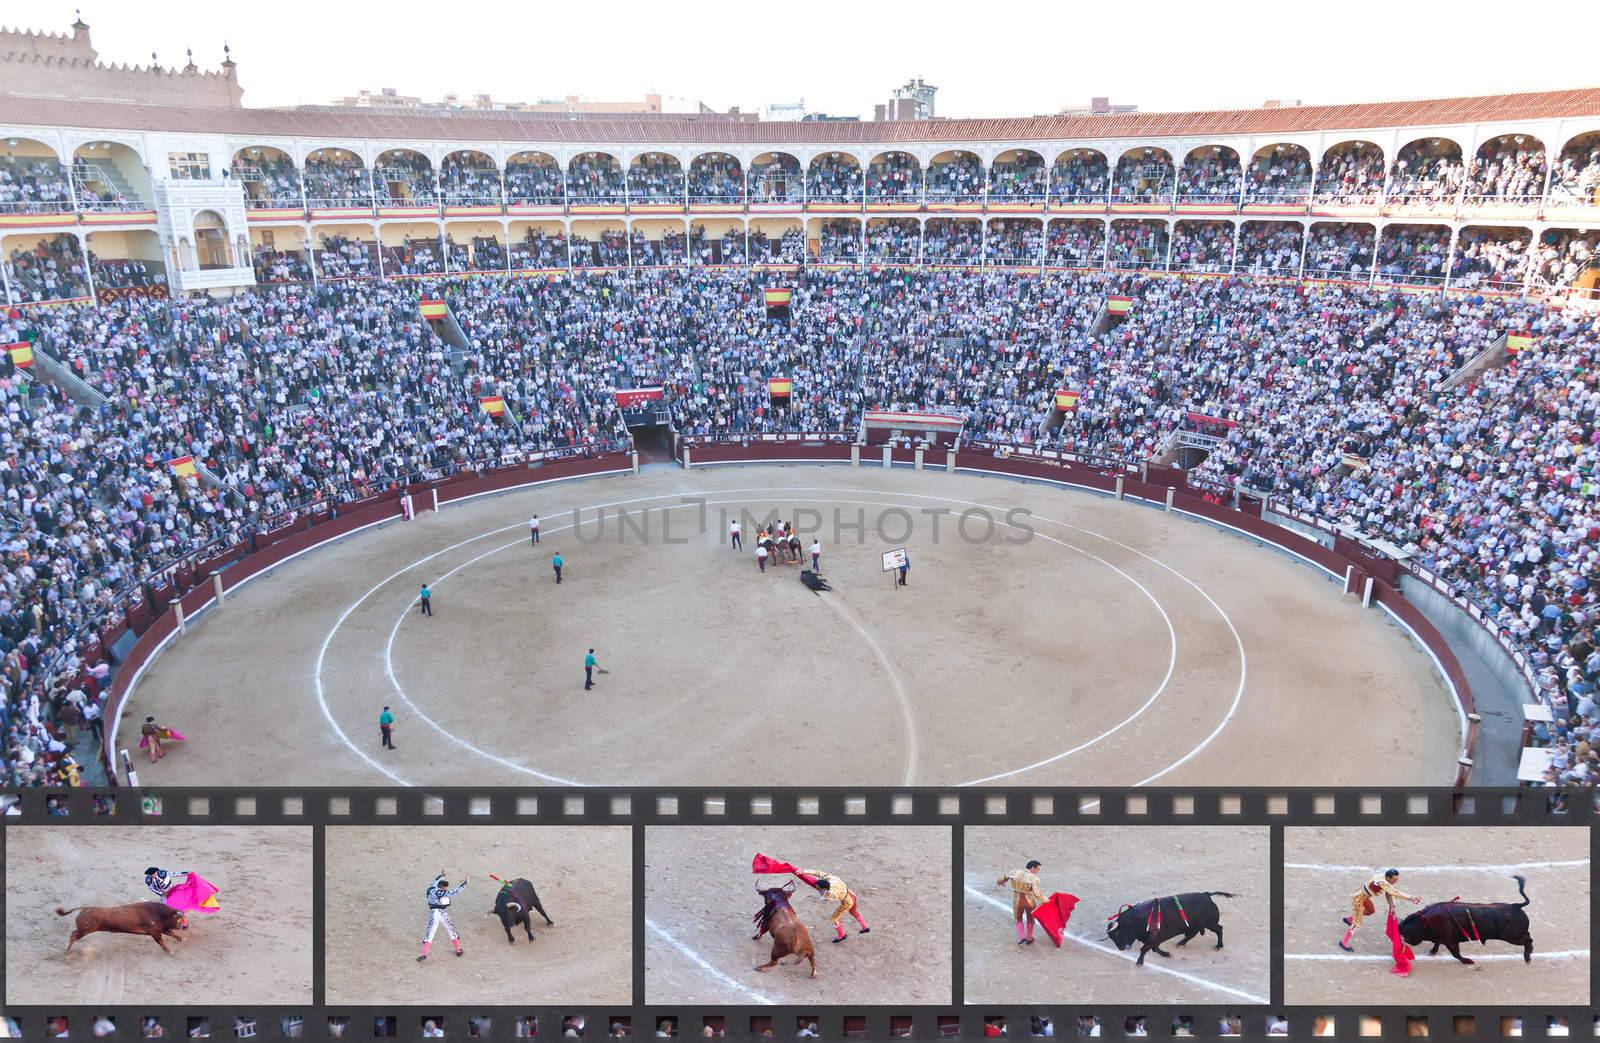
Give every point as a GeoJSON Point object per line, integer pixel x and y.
{"type": "Point", "coordinates": [356, 124]}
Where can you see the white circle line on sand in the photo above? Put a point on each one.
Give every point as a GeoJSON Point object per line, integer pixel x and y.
{"type": "Point", "coordinates": [1443, 957]}
{"type": "Point", "coordinates": [1318, 867]}
{"type": "Point", "coordinates": [705, 965]}
{"type": "Point", "coordinates": [1109, 950]}
{"type": "Point", "coordinates": [912, 743]}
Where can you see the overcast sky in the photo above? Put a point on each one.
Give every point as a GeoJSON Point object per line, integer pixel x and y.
{"type": "Point", "coordinates": [988, 59]}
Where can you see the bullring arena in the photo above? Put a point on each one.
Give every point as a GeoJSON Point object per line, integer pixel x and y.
{"type": "Point", "coordinates": [1324, 866]}
{"type": "Point", "coordinates": [1173, 651]}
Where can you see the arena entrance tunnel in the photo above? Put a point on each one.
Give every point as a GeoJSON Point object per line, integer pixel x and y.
{"type": "Point", "coordinates": [1166, 652]}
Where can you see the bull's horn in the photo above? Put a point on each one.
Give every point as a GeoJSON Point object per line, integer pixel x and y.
{"type": "Point", "coordinates": [515, 905]}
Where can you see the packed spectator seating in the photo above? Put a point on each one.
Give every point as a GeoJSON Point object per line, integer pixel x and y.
{"type": "Point", "coordinates": [469, 179]}
{"type": "Point", "coordinates": [276, 407]}
{"type": "Point", "coordinates": [458, 256]}
{"type": "Point", "coordinates": [270, 182]}
{"type": "Point", "coordinates": [777, 180]}
{"type": "Point", "coordinates": [1076, 244]}
{"type": "Point", "coordinates": [789, 249]}
{"type": "Point", "coordinates": [669, 249]}
{"type": "Point", "coordinates": [340, 257]}
{"type": "Point", "coordinates": [1143, 176]}
{"type": "Point", "coordinates": [1021, 178]}
{"type": "Point", "coordinates": [487, 255]}
{"type": "Point", "coordinates": [1414, 254]}
{"type": "Point", "coordinates": [53, 270]}
{"type": "Point", "coordinates": [1280, 176]}
{"type": "Point", "coordinates": [334, 179]}
{"type": "Point", "coordinates": [1270, 248]}
{"type": "Point", "coordinates": [609, 251]}
{"type": "Point", "coordinates": [1507, 170]}
{"type": "Point", "coordinates": [1561, 256]}
{"type": "Point", "coordinates": [956, 177]}
{"type": "Point", "coordinates": [31, 185]}
{"type": "Point", "coordinates": [1080, 177]}
{"type": "Point", "coordinates": [1014, 242]}
{"type": "Point", "coordinates": [595, 177]}
{"type": "Point", "coordinates": [1340, 251]}
{"type": "Point", "coordinates": [1350, 174]}
{"type": "Point", "coordinates": [728, 248]}
{"type": "Point", "coordinates": [1201, 246]}
{"type": "Point", "coordinates": [1138, 244]}
{"type": "Point", "coordinates": [716, 178]}
{"type": "Point", "coordinates": [839, 242]}
{"type": "Point", "coordinates": [404, 178]}
{"type": "Point", "coordinates": [275, 266]}
{"type": "Point", "coordinates": [894, 177]}
{"type": "Point", "coordinates": [126, 273]}
{"type": "Point", "coordinates": [834, 178]}
{"type": "Point", "coordinates": [414, 257]}
{"type": "Point", "coordinates": [1209, 175]}
{"type": "Point", "coordinates": [535, 250]}
{"type": "Point", "coordinates": [1576, 178]}
{"type": "Point", "coordinates": [655, 178]}
{"type": "Point", "coordinates": [950, 241]}
{"type": "Point", "coordinates": [1428, 174]}
{"type": "Point", "coordinates": [533, 179]}
{"type": "Point", "coordinates": [897, 241]}
{"type": "Point", "coordinates": [1490, 259]}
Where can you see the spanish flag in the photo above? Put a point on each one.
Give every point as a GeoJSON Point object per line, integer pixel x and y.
{"type": "Point", "coordinates": [494, 405]}
{"type": "Point", "coordinates": [1067, 401]}
{"type": "Point", "coordinates": [779, 387]}
{"type": "Point", "coordinates": [432, 309]}
{"type": "Point", "coordinates": [1515, 342]}
{"type": "Point", "coordinates": [21, 354]}
{"type": "Point", "coordinates": [1119, 305]}
{"type": "Point", "coordinates": [182, 466]}
{"type": "Point", "coordinates": [777, 298]}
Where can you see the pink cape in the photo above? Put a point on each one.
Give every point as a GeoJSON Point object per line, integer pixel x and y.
{"type": "Point", "coordinates": [174, 736]}
{"type": "Point", "coordinates": [194, 895]}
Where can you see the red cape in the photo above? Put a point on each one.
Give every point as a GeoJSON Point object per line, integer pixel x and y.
{"type": "Point", "coordinates": [1402, 952]}
{"type": "Point", "coordinates": [762, 864]}
{"type": "Point", "coordinates": [1053, 914]}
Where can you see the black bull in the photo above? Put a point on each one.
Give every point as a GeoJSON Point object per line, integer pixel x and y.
{"type": "Point", "coordinates": [513, 905]}
{"type": "Point", "coordinates": [1451, 923]}
{"type": "Point", "coordinates": [1156, 920]}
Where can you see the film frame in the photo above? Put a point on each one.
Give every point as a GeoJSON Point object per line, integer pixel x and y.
{"type": "Point", "coordinates": [955, 808]}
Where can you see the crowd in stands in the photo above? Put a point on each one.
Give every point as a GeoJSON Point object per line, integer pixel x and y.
{"type": "Point", "coordinates": [1145, 177]}
{"type": "Point", "coordinates": [894, 177]}
{"type": "Point", "coordinates": [655, 178]}
{"type": "Point", "coordinates": [596, 178]}
{"type": "Point", "coordinates": [716, 178]}
{"type": "Point", "coordinates": [403, 178]}
{"type": "Point", "coordinates": [341, 257]}
{"type": "Point", "coordinates": [1270, 248]}
{"type": "Point", "coordinates": [1340, 251]}
{"type": "Point", "coordinates": [1202, 246]}
{"type": "Point", "coordinates": [469, 179]}
{"type": "Point", "coordinates": [32, 185]}
{"type": "Point", "coordinates": [1414, 252]}
{"type": "Point", "coordinates": [834, 178]}
{"type": "Point", "coordinates": [1138, 244]}
{"type": "Point", "coordinates": [959, 178]}
{"type": "Point", "coordinates": [1507, 170]}
{"type": "Point", "coordinates": [332, 180]}
{"type": "Point", "coordinates": [778, 180]}
{"type": "Point", "coordinates": [1427, 174]}
{"type": "Point", "coordinates": [893, 242]}
{"type": "Point", "coordinates": [728, 248]}
{"type": "Point", "coordinates": [537, 250]}
{"type": "Point", "coordinates": [126, 273]}
{"type": "Point", "coordinates": [487, 254]}
{"type": "Point", "coordinates": [1351, 174]}
{"type": "Point", "coordinates": [1014, 242]}
{"type": "Point", "coordinates": [1561, 256]}
{"type": "Point", "coordinates": [609, 251]}
{"type": "Point", "coordinates": [274, 266]}
{"type": "Point", "coordinates": [52, 270]}
{"type": "Point", "coordinates": [1210, 175]}
{"type": "Point", "coordinates": [1490, 259]}
{"type": "Point", "coordinates": [949, 241]}
{"type": "Point", "coordinates": [670, 248]}
{"type": "Point", "coordinates": [270, 182]}
{"type": "Point", "coordinates": [1023, 177]}
{"type": "Point", "coordinates": [1576, 179]}
{"type": "Point", "coordinates": [839, 242]}
{"type": "Point", "coordinates": [1080, 177]}
{"type": "Point", "coordinates": [1284, 175]}
{"type": "Point", "coordinates": [294, 395]}
{"type": "Point", "coordinates": [1076, 244]}
{"type": "Point", "coordinates": [534, 182]}
{"type": "Point", "coordinates": [790, 248]}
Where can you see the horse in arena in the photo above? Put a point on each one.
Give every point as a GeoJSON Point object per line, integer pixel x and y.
{"type": "Point", "coordinates": [1451, 923]}
{"type": "Point", "coordinates": [150, 918]}
{"type": "Point", "coordinates": [789, 935]}
{"type": "Point", "coordinates": [789, 546]}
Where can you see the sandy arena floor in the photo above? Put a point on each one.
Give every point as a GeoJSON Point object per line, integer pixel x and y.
{"type": "Point", "coordinates": [1106, 867]}
{"type": "Point", "coordinates": [256, 950]}
{"type": "Point", "coordinates": [1325, 866]}
{"type": "Point", "coordinates": [376, 877]}
{"type": "Point", "coordinates": [1139, 646]}
{"type": "Point", "coordinates": [700, 896]}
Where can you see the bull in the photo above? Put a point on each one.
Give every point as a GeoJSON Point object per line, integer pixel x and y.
{"type": "Point", "coordinates": [1160, 919]}
{"type": "Point", "coordinates": [515, 904]}
{"type": "Point", "coordinates": [1451, 923]}
{"type": "Point", "coordinates": [789, 935]}
{"type": "Point", "coordinates": [155, 919]}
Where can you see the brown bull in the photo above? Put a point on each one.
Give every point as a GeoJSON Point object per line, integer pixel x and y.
{"type": "Point", "coordinates": [789, 935]}
{"type": "Point", "coordinates": [151, 918]}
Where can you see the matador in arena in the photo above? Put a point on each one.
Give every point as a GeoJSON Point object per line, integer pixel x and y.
{"type": "Point", "coordinates": [1361, 902]}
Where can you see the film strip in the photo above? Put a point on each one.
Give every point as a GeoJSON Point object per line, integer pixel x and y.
{"type": "Point", "coordinates": [680, 969]}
